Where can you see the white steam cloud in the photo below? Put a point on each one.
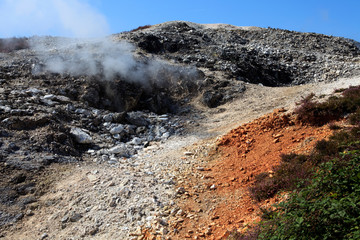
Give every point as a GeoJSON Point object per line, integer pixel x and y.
{"type": "Point", "coordinates": [108, 60]}
{"type": "Point", "coordinates": [71, 18]}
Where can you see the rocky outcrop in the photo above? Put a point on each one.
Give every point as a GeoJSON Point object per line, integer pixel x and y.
{"type": "Point", "coordinates": [272, 57]}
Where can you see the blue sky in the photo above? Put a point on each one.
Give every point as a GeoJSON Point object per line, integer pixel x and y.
{"type": "Point", "coordinates": [83, 18]}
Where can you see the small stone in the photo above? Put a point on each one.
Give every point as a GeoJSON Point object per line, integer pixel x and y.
{"type": "Point", "coordinates": [163, 222]}
{"type": "Point", "coordinates": [137, 232]}
{"type": "Point", "coordinates": [126, 192]}
{"type": "Point", "coordinates": [112, 202]}
{"type": "Point", "coordinates": [80, 135]}
{"type": "Point", "coordinates": [278, 135]}
{"type": "Point", "coordinates": [49, 102]}
{"type": "Point", "coordinates": [49, 96]}
{"type": "Point", "coordinates": [12, 146]}
{"type": "Point", "coordinates": [118, 149]}
{"type": "Point", "coordinates": [75, 217]}
{"type": "Point", "coordinates": [65, 219]}
{"type": "Point", "coordinates": [29, 213]}
{"type": "Point", "coordinates": [136, 141]}
{"type": "Point", "coordinates": [188, 153]}
{"type": "Point", "coordinates": [163, 231]}
{"type": "Point", "coordinates": [92, 178]}
{"type": "Point", "coordinates": [117, 136]}
{"type": "Point", "coordinates": [180, 213]}
{"type": "Point", "coordinates": [108, 117]}
{"type": "Point", "coordinates": [117, 129]}
{"type": "Point", "coordinates": [62, 99]}
{"type": "Point", "coordinates": [180, 190]}
{"type": "Point", "coordinates": [213, 187]}
{"type": "Point", "coordinates": [44, 235]}
{"type": "Point", "coordinates": [165, 135]}
{"type": "Point", "coordinates": [91, 230]}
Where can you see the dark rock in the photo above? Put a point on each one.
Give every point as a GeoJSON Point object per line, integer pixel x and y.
{"type": "Point", "coordinates": [7, 218]}
{"type": "Point", "coordinates": [8, 195]}
{"type": "Point", "coordinates": [91, 95]}
{"type": "Point", "coordinates": [151, 44]}
{"type": "Point", "coordinates": [47, 160]}
{"type": "Point", "coordinates": [272, 57]}
{"type": "Point", "coordinates": [119, 117]}
{"type": "Point", "coordinates": [19, 178]}
{"type": "Point", "coordinates": [212, 99]}
{"type": "Point", "coordinates": [135, 118]}
{"type": "Point", "coordinates": [4, 133]}
{"type": "Point", "coordinates": [74, 217]}
{"type": "Point", "coordinates": [27, 123]}
{"type": "Point", "coordinates": [28, 200]}
{"type": "Point", "coordinates": [12, 147]}
{"type": "Point", "coordinates": [26, 188]}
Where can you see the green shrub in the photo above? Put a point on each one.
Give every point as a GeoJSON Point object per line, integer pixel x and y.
{"type": "Point", "coordinates": [328, 208]}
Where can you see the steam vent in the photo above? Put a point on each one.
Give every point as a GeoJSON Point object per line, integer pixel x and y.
{"type": "Point", "coordinates": [125, 137]}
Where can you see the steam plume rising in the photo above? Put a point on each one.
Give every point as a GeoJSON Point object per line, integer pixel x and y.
{"type": "Point", "coordinates": [108, 60]}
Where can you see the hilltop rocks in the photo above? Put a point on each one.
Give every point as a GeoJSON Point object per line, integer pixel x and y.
{"type": "Point", "coordinates": [272, 57]}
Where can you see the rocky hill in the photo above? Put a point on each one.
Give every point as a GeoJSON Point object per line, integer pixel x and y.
{"type": "Point", "coordinates": [272, 57]}
{"type": "Point", "coordinates": [95, 134]}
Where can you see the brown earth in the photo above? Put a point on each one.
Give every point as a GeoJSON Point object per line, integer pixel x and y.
{"type": "Point", "coordinates": [219, 201]}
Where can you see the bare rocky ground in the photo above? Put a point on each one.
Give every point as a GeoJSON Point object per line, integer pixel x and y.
{"type": "Point", "coordinates": [79, 161]}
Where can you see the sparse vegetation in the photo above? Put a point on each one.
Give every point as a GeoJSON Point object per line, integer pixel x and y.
{"type": "Point", "coordinates": [286, 176]}
{"type": "Point", "coordinates": [334, 126]}
{"type": "Point", "coordinates": [140, 28]}
{"type": "Point", "coordinates": [319, 113]}
{"type": "Point", "coordinates": [11, 44]}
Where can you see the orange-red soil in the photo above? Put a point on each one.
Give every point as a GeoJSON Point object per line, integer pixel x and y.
{"type": "Point", "coordinates": [217, 199]}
